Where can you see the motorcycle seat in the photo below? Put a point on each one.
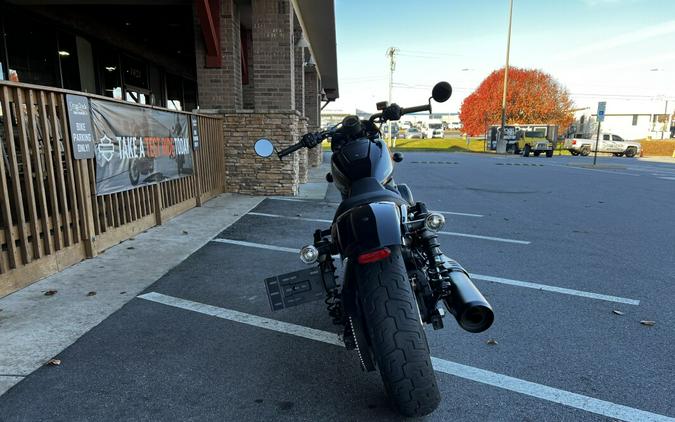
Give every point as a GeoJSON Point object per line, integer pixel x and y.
{"type": "Point", "coordinates": [365, 191]}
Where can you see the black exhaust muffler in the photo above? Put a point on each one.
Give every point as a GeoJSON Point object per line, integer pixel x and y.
{"type": "Point", "coordinates": [472, 312]}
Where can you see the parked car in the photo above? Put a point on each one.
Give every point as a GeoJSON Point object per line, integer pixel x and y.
{"type": "Point", "coordinates": [435, 129]}
{"type": "Point", "coordinates": [394, 131]}
{"type": "Point", "coordinates": [584, 144]}
{"type": "Point", "coordinates": [414, 133]}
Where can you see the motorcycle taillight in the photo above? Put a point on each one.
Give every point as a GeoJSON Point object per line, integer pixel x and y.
{"type": "Point", "coordinates": [374, 256]}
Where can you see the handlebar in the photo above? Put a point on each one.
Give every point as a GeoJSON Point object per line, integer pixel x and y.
{"type": "Point", "coordinates": [290, 149]}
{"type": "Point", "coordinates": [426, 107]}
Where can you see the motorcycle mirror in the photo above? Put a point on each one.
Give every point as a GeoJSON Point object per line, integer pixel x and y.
{"type": "Point", "coordinates": [263, 147]}
{"type": "Point", "coordinates": [441, 92]}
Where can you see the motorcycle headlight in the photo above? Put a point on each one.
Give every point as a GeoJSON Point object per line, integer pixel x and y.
{"type": "Point", "coordinates": [309, 254]}
{"type": "Point", "coordinates": [434, 221]}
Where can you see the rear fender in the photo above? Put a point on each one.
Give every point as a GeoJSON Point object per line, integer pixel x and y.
{"type": "Point", "coordinates": [367, 227]}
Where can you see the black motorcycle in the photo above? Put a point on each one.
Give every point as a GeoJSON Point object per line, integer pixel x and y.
{"type": "Point", "coordinates": [396, 278]}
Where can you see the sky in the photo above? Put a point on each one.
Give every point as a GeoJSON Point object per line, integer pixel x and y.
{"type": "Point", "coordinates": [619, 51]}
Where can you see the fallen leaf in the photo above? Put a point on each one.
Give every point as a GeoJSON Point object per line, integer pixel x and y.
{"type": "Point", "coordinates": [185, 232]}
{"type": "Point", "coordinates": [647, 322]}
{"type": "Point", "coordinates": [617, 312]}
{"type": "Point", "coordinates": [50, 292]}
{"type": "Point", "coordinates": [91, 294]}
{"type": "Point", "coordinates": [54, 362]}
{"type": "Point", "coordinates": [491, 342]}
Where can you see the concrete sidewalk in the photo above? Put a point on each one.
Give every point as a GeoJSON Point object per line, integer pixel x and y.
{"type": "Point", "coordinates": [667, 160]}
{"type": "Point", "coordinates": [34, 327]}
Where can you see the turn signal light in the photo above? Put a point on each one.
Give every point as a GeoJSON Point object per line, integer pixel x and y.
{"type": "Point", "coordinates": [374, 256]}
{"type": "Point", "coordinates": [434, 221]}
{"type": "Point", "coordinates": [309, 254]}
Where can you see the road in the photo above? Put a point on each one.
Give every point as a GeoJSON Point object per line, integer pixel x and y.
{"type": "Point", "coordinates": [571, 258]}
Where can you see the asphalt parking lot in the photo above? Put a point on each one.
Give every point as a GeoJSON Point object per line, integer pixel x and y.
{"type": "Point", "coordinates": [571, 258]}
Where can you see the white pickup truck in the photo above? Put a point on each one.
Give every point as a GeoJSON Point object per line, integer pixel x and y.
{"type": "Point", "coordinates": [584, 144]}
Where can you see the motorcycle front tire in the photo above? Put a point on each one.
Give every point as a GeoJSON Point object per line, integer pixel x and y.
{"type": "Point", "coordinates": [397, 336]}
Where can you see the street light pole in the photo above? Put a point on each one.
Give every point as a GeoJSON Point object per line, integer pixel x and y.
{"type": "Point", "coordinates": [391, 52]}
{"type": "Point", "coordinates": [501, 143]}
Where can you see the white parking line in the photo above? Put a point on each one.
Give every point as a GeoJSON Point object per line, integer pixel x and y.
{"type": "Point", "coordinates": [517, 283]}
{"type": "Point", "coordinates": [464, 214]}
{"type": "Point", "coordinates": [320, 220]}
{"type": "Point", "coordinates": [281, 198]}
{"type": "Point", "coordinates": [495, 239]}
{"type": "Point", "coordinates": [288, 217]}
{"type": "Point", "coordinates": [591, 169]}
{"type": "Point", "coordinates": [532, 389]}
{"type": "Point", "coordinates": [555, 289]}
{"type": "Point", "coordinates": [256, 245]}
{"type": "Point", "coordinates": [314, 201]}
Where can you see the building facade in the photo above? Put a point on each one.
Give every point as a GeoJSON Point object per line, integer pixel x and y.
{"type": "Point", "coordinates": [633, 120]}
{"type": "Point", "coordinates": [262, 65]}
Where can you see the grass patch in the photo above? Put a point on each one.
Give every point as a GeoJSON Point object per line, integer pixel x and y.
{"type": "Point", "coordinates": [445, 145]}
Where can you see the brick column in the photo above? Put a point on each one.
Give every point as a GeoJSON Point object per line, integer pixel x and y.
{"type": "Point", "coordinates": [303, 154]}
{"type": "Point", "coordinates": [249, 174]}
{"type": "Point", "coordinates": [220, 88]}
{"type": "Point", "coordinates": [273, 58]}
{"type": "Point", "coordinates": [312, 111]}
{"type": "Point", "coordinates": [299, 67]}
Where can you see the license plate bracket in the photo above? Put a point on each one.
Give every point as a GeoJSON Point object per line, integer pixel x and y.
{"type": "Point", "coordinates": [296, 288]}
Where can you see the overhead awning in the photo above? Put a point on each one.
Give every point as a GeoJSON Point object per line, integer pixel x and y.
{"type": "Point", "coordinates": [317, 18]}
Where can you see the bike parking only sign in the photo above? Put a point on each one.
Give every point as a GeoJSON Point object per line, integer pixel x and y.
{"type": "Point", "coordinates": [81, 133]}
{"type": "Point", "coordinates": [601, 111]}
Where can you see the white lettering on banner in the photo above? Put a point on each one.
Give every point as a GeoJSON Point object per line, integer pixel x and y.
{"type": "Point", "coordinates": [82, 137]}
{"type": "Point", "coordinates": [182, 147]}
{"type": "Point", "coordinates": [141, 148]}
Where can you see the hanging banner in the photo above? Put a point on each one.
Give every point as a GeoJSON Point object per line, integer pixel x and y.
{"type": "Point", "coordinates": [137, 146]}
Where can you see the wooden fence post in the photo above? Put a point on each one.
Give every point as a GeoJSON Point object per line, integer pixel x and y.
{"type": "Point", "coordinates": [87, 198]}
{"type": "Point", "coordinates": [157, 201]}
{"type": "Point", "coordinates": [197, 179]}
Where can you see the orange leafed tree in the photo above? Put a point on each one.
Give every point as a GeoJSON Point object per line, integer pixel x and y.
{"type": "Point", "coordinates": [532, 97]}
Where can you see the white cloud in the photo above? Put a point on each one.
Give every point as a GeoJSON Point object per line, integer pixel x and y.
{"type": "Point", "coordinates": [632, 37]}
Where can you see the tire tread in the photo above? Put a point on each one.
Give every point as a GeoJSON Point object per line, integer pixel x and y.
{"type": "Point", "coordinates": [397, 336]}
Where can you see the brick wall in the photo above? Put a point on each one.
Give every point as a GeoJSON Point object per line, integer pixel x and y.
{"type": "Point", "coordinates": [247, 173]}
{"type": "Point", "coordinates": [303, 154]}
{"type": "Point", "coordinates": [273, 58]}
{"type": "Point", "coordinates": [312, 111]}
{"type": "Point", "coordinates": [220, 88]}
{"type": "Point", "coordinates": [299, 63]}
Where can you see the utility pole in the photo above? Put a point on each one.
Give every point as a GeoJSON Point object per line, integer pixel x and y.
{"type": "Point", "coordinates": [391, 53]}
{"type": "Point", "coordinates": [501, 142]}
{"type": "Point", "coordinates": [666, 121]}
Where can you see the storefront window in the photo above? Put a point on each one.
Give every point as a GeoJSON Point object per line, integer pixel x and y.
{"type": "Point", "coordinates": [32, 52]}
{"type": "Point", "coordinates": [174, 92]}
{"type": "Point", "coordinates": [190, 94]}
{"type": "Point", "coordinates": [67, 54]}
{"type": "Point", "coordinates": [3, 52]}
{"type": "Point", "coordinates": [110, 79]}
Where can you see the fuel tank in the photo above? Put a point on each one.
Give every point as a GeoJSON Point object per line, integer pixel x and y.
{"type": "Point", "coordinates": [358, 159]}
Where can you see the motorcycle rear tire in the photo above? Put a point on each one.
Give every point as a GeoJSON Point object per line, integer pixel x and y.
{"type": "Point", "coordinates": [397, 336]}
